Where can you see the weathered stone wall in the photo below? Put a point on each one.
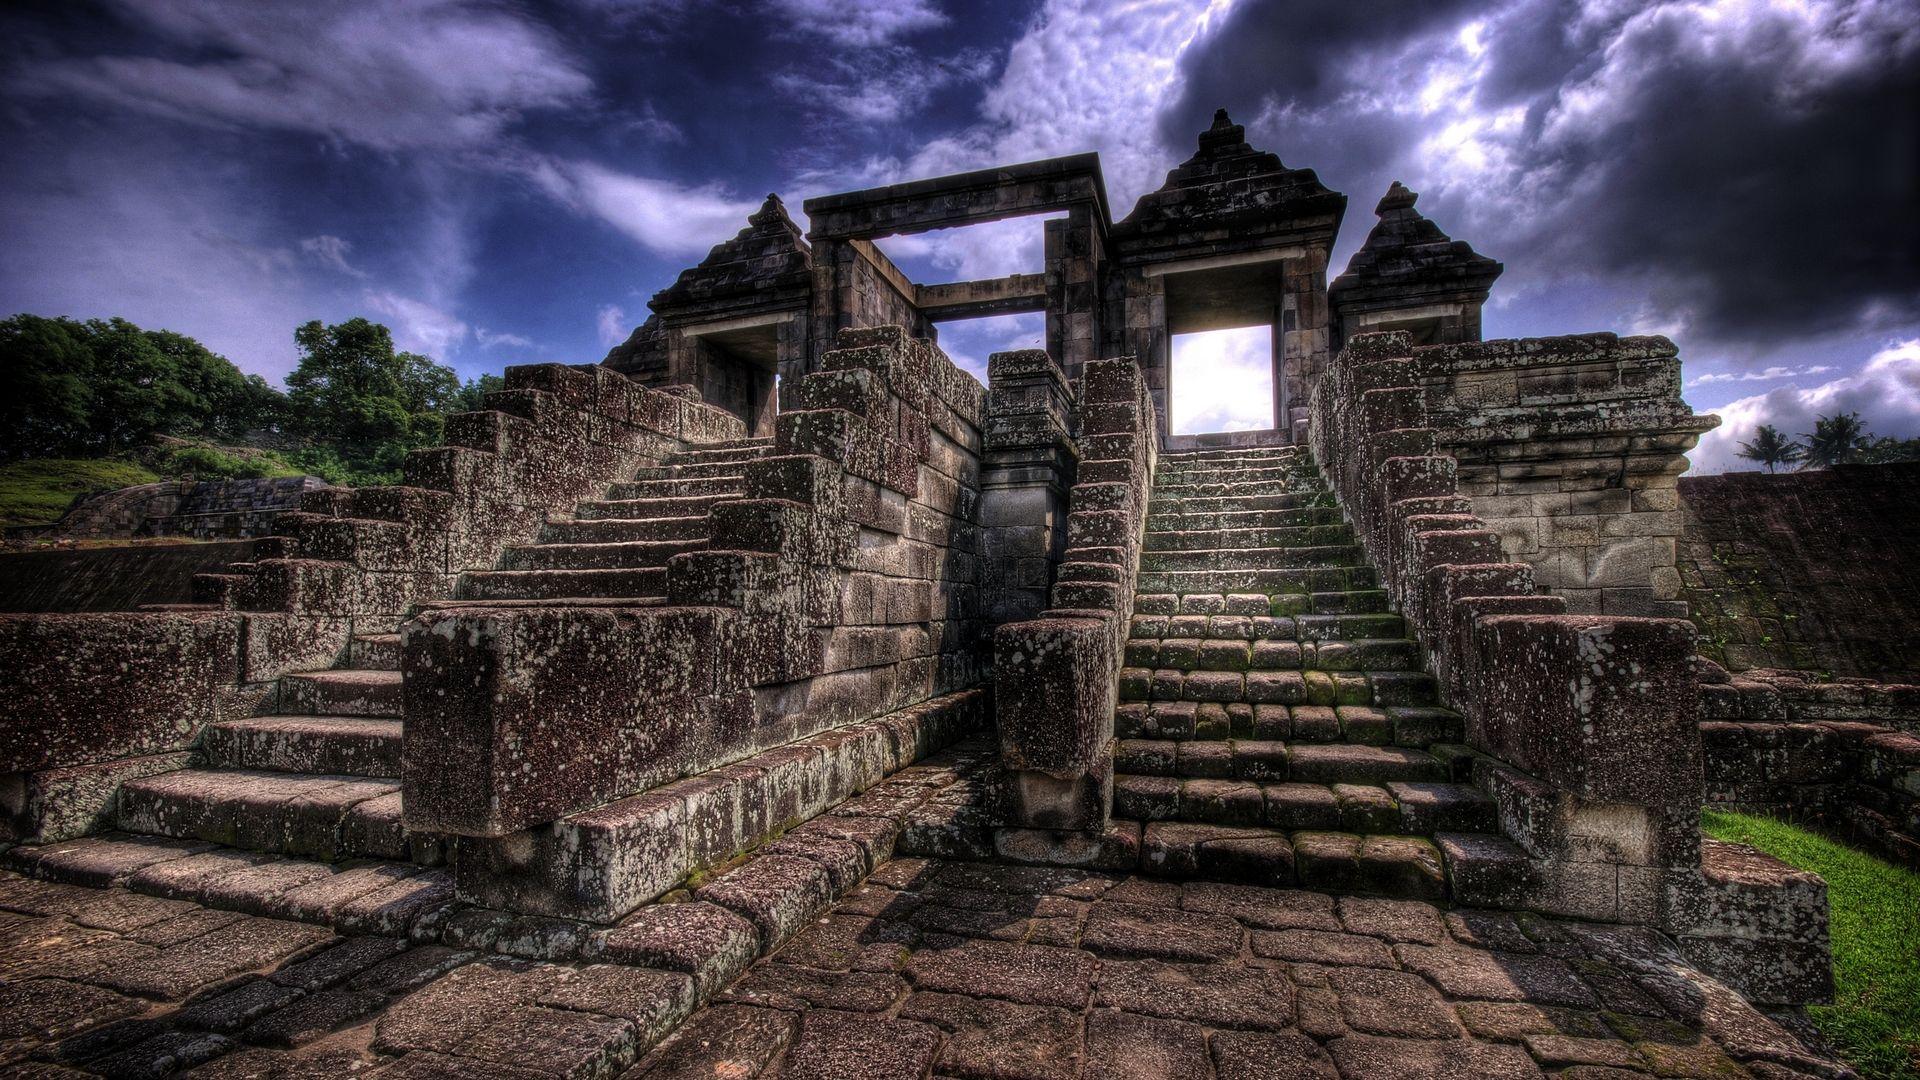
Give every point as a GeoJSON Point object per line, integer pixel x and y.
{"type": "Point", "coordinates": [1570, 448]}
{"type": "Point", "coordinates": [844, 586]}
{"type": "Point", "coordinates": [1845, 755]}
{"type": "Point", "coordinates": [1816, 571]}
{"type": "Point", "coordinates": [1056, 676]}
{"type": "Point", "coordinates": [1585, 725]}
{"type": "Point", "coordinates": [202, 510]}
{"type": "Point", "coordinates": [111, 578]}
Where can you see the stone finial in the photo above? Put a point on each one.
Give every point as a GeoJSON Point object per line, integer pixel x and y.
{"type": "Point", "coordinates": [1398, 197]}
{"type": "Point", "coordinates": [770, 210]}
{"type": "Point", "coordinates": [1224, 135]}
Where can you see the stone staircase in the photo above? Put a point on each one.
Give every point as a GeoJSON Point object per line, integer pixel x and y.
{"type": "Point", "coordinates": [318, 779]}
{"type": "Point", "coordinates": [617, 547]}
{"type": "Point", "coordinates": [1275, 721]}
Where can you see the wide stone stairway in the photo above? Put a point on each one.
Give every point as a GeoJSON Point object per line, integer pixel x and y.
{"type": "Point", "coordinates": [618, 546]}
{"type": "Point", "coordinates": [1276, 724]}
{"type": "Point", "coordinates": [320, 778]}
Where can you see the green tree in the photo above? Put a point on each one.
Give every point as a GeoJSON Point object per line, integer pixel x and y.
{"type": "Point", "coordinates": [1884, 450]}
{"type": "Point", "coordinates": [46, 387]}
{"type": "Point", "coordinates": [1772, 449]}
{"type": "Point", "coordinates": [88, 389]}
{"type": "Point", "coordinates": [473, 396]}
{"type": "Point", "coordinates": [1839, 439]}
{"type": "Point", "coordinates": [355, 395]}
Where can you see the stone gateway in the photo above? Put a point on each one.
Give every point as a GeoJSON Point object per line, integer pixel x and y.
{"type": "Point", "coordinates": [775, 699]}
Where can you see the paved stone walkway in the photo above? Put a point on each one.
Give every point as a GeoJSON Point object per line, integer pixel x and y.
{"type": "Point", "coordinates": [929, 968]}
{"type": "Point", "coordinates": [1008, 973]}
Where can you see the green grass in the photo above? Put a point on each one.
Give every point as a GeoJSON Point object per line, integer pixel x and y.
{"type": "Point", "coordinates": [38, 491]}
{"type": "Point", "coordinates": [1874, 911]}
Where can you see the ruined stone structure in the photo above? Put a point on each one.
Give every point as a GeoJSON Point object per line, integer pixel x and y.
{"type": "Point", "coordinates": [777, 700]}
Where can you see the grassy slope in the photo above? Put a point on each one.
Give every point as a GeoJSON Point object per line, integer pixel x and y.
{"type": "Point", "coordinates": [39, 491]}
{"type": "Point", "coordinates": [1875, 921]}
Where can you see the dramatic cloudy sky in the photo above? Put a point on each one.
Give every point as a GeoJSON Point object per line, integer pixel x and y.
{"type": "Point", "coordinates": [503, 182]}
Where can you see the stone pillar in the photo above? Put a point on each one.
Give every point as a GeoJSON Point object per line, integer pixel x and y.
{"type": "Point", "coordinates": [1027, 469]}
{"type": "Point", "coordinates": [1073, 258]}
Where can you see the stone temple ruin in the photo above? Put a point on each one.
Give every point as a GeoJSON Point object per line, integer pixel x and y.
{"type": "Point", "coordinates": [774, 699]}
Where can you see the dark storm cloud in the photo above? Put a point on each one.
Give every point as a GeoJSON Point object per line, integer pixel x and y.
{"type": "Point", "coordinates": [1750, 168]}
{"type": "Point", "coordinates": [1293, 50]}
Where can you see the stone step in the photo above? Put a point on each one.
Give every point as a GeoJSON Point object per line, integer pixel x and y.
{"type": "Point", "coordinates": [1273, 760]}
{"type": "Point", "coordinates": [1311, 687]}
{"type": "Point", "coordinates": [1238, 474]}
{"type": "Point", "coordinates": [1238, 654]}
{"type": "Point", "coordinates": [1396, 725]}
{"type": "Point", "coordinates": [321, 817]}
{"type": "Point", "coordinates": [1345, 863]}
{"type": "Point", "coordinates": [383, 897]}
{"type": "Point", "coordinates": [374, 652]}
{"type": "Point", "coordinates": [341, 692]}
{"type": "Point", "coordinates": [1305, 536]}
{"type": "Point", "coordinates": [1206, 490]}
{"type": "Point", "coordinates": [1159, 503]}
{"type": "Point", "coordinates": [647, 509]}
{"type": "Point", "coordinates": [624, 555]}
{"type": "Point", "coordinates": [738, 455]}
{"type": "Point", "coordinates": [1278, 605]}
{"type": "Point", "coordinates": [1183, 511]}
{"type": "Point", "coordinates": [1254, 617]}
{"type": "Point", "coordinates": [1258, 558]}
{"type": "Point", "coordinates": [1412, 808]}
{"type": "Point", "coordinates": [688, 470]}
{"type": "Point", "coordinates": [562, 584]}
{"type": "Point", "coordinates": [334, 745]}
{"type": "Point", "coordinates": [1233, 453]}
{"type": "Point", "coordinates": [756, 444]}
{"type": "Point", "coordinates": [624, 530]}
{"type": "Point", "coordinates": [731, 485]}
{"type": "Point", "coordinates": [1271, 582]}
{"type": "Point", "coordinates": [1298, 517]}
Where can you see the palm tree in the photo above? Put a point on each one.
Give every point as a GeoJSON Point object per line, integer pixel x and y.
{"type": "Point", "coordinates": [1836, 440]}
{"type": "Point", "coordinates": [1772, 449]}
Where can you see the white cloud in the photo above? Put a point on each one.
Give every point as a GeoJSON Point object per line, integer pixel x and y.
{"type": "Point", "coordinates": [416, 325]}
{"type": "Point", "coordinates": [860, 23]}
{"type": "Point", "coordinates": [331, 252]}
{"type": "Point", "coordinates": [612, 324]}
{"type": "Point", "coordinates": [489, 339]}
{"type": "Point", "coordinates": [1089, 74]}
{"type": "Point", "coordinates": [386, 74]}
{"type": "Point", "coordinates": [970, 342]}
{"type": "Point", "coordinates": [1222, 381]}
{"type": "Point", "coordinates": [879, 86]}
{"type": "Point", "coordinates": [989, 249]}
{"type": "Point", "coordinates": [1767, 374]}
{"type": "Point", "coordinates": [1885, 392]}
{"type": "Point", "coordinates": [665, 217]}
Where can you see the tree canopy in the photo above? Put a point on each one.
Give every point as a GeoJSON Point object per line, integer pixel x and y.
{"type": "Point", "coordinates": [1840, 439]}
{"type": "Point", "coordinates": [354, 406]}
{"type": "Point", "coordinates": [95, 388]}
{"type": "Point", "coordinates": [1772, 449]}
{"type": "Point", "coordinates": [356, 395]}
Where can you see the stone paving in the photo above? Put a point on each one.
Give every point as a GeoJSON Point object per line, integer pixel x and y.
{"type": "Point", "coordinates": [929, 968]}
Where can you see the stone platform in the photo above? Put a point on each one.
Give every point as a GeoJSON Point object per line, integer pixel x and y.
{"type": "Point", "coordinates": [950, 969]}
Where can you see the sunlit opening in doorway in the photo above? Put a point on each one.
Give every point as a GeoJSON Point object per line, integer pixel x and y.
{"type": "Point", "coordinates": [1222, 381]}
